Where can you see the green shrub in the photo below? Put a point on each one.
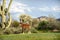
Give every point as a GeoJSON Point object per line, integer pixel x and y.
{"type": "Point", "coordinates": [33, 30]}
{"type": "Point", "coordinates": [42, 25]}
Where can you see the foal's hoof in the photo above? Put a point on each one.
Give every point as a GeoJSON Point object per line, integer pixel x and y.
{"type": "Point", "coordinates": [23, 33]}
{"type": "Point", "coordinates": [29, 32]}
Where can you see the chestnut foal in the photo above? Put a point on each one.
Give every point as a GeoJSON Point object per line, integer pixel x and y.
{"type": "Point", "coordinates": [25, 26]}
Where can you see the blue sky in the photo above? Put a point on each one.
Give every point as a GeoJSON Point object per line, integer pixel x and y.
{"type": "Point", "coordinates": [35, 8]}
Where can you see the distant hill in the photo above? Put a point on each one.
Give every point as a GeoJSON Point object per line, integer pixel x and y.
{"type": "Point", "coordinates": [42, 17]}
{"type": "Point", "coordinates": [58, 19]}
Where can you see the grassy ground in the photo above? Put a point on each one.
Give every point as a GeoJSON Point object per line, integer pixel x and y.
{"type": "Point", "coordinates": [33, 36]}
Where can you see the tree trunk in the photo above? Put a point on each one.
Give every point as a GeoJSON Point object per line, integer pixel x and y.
{"type": "Point", "coordinates": [3, 16]}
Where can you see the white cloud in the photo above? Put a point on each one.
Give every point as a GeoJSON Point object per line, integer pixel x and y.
{"type": "Point", "coordinates": [57, 9]}
{"type": "Point", "coordinates": [20, 7]}
{"type": "Point", "coordinates": [28, 9]}
{"type": "Point", "coordinates": [46, 9]}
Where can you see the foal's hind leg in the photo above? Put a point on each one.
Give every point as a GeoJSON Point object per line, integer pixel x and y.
{"type": "Point", "coordinates": [29, 30]}
{"type": "Point", "coordinates": [22, 30]}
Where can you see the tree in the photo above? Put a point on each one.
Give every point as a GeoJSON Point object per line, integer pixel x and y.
{"type": "Point", "coordinates": [3, 13]}
{"type": "Point", "coordinates": [52, 22]}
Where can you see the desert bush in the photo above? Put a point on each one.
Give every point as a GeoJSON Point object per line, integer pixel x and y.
{"type": "Point", "coordinates": [15, 23]}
